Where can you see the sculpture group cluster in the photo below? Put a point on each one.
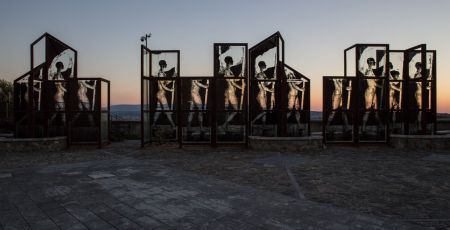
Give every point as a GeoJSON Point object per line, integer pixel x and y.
{"type": "Point", "coordinates": [252, 92]}
{"type": "Point", "coordinates": [382, 92]}
{"type": "Point", "coordinates": [50, 100]}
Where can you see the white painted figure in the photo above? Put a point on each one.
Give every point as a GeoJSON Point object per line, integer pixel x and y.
{"type": "Point", "coordinates": [263, 87]}
{"type": "Point", "coordinates": [294, 103]}
{"type": "Point", "coordinates": [196, 103]}
{"type": "Point", "coordinates": [164, 86]}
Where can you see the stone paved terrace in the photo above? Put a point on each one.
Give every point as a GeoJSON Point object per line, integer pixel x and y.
{"type": "Point", "coordinates": [123, 187]}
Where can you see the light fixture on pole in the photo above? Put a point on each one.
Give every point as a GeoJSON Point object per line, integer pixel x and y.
{"type": "Point", "coordinates": [145, 37]}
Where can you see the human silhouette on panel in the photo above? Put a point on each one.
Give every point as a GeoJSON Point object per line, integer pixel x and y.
{"type": "Point", "coordinates": [230, 91]}
{"type": "Point", "coordinates": [263, 89]}
{"type": "Point", "coordinates": [164, 86]}
{"type": "Point", "coordinates": [370, 95]}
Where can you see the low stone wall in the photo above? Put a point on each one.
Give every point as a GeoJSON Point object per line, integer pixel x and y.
{"type": "Point", "coordinates": [421, 142]}
{"type": "Point", "coordinates": [49, 144]}
{"type": "Point", "coordinates": [285, 144]}
{"type": "Point", "coordinates": [126, 129]}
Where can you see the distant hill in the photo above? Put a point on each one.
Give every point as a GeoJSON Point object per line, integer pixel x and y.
{"type": "Point", "coordinates": [126, 112]}
{"type": "Point", "coordinates": [116, 108]}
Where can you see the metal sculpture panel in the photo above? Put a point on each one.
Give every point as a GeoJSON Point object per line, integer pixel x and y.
{"type": "Point", "coordinates": [373, 90]}
{"type": "Point", "coordinates": [145, 96]}
{"type": "Point", "coordinates": [297, 101]}
{"type": "Point", "coordinates": [266, 62]}
{"type": "Point", "coordinates": [164, 72]}
{"type": "Point", "coordinates": [337, 109]}
{"type": "Point", "coordinates": [196, 107]}
{"type": "Point", "coordinates": [395, 92]}
{"type": "Point", "coordinates": [22, 118]}
{"type": "Point", "coordinates": [85, 107]}
{"type": "Point", "coordinates": [230, 73]}
{"type": "Point", "coordinates": [56, 103]}
{"type": "Point", "coordinates": [60, 59]}
{"type": "Point", "coordinates": [214, 109]}
{"type": "Point", "coordinates": [49, 100]}
{"type": "Point", "coordinates": [421, 106]}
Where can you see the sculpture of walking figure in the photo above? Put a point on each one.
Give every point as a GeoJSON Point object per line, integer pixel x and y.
{"type": "Point", "coordinates": [163, 87]}
{"type": "Point", "coordinates": [295, 86]}
{"type": "Point", "coordinates": [230, 91]}
{"type": "Point", "coordinates": [84, 104]}
{"type": "Point", "coordinates": [394, 89]}
{"type": "Point", "coordinates": [60, 90]}
{"type": "Point", "coordinates": [370, 95]}
{"type": "Point", "coordinates": [263, 87]}
{"type": "Point", "coordinates": [337, 102]}
{"type": "Point", "coordinates": [196, 103]}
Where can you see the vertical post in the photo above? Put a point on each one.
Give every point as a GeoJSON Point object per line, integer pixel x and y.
{"type": "Point", "coordinates": [150, 81]}
{"type": "Point", "coordinates": [308, 96]}
{"type": "Point", "coordinates": [434, 92]}
{"type": "Point", "coordinates": [385, 108]}
{"type": "Point", "coordinates": [179, 104]}
{"type": "Point", "coordinates": [250, 82]}
{"type": "Point", "coordinates": [277, 93]}
{"type": "Point", "coordinates": [45, 78]}
{"type": "Point", "coordinates": [99, 115]}
{"type": "Point", "coordinates": [246, 96]}
{"type": "Point", "coordinates": [283, 89]}
{"type": "Point", "coordinates": [213, 112]}
{"type": "Point", "coordinates": [109, 112]}
{"type": "Point", "coordinates": [69, 110]}
{"type": "Point", "coordinates": [324, 110]}
{"type": "Point", "coordinates": [424, 88]}
{"type": "Point", "coordinates": [30, 111]}
{"type": "Point", "coordinates": [75, 70]}
{"type": "Point", "coordinates": [142, 98]}
{"type": "Point", "coordinates": [356, 102]}
{"type": "Point", "coordinates": [405, 96]}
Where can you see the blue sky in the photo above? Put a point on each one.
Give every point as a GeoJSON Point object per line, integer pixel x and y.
{"type": "Point", "coordinates": [106, 34]}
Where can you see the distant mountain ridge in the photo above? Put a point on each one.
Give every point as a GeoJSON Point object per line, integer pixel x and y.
{"type": "Point", "coordinates": [125, 107]}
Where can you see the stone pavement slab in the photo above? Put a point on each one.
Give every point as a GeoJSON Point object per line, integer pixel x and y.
{"type": "Point", "coordinates": [5, 175]}
{"type": "Point", "coordinates": [438, 157]}
{"type": "Point", "coordinates": [142, 194]}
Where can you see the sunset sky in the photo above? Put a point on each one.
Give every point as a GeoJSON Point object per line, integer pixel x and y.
{"type": "Point", "coordinates": [107, 34]}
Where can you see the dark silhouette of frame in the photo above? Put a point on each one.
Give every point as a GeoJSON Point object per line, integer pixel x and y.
{"type": "Point", "coordinates": [149, 102]}
{"type": "Point", "coordinates": [214, 113]}
{"type": "Point", "coordinates": [354, 108]}
{"type": "Point", "coordinates": [408, 109]}
{"type": "Point", "coordinates": [277, 106]}
{"type": "Point", "coordinates": [35, 110]}
{"type": "Point", "coordinates": [223, 135]}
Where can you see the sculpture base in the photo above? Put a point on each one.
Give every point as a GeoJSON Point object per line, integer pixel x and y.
{"type": "Point", "coordinates": [420, 142]}
{"type": "Point", "coordinates": [47, 144]}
